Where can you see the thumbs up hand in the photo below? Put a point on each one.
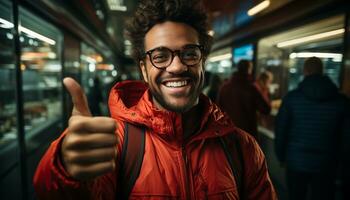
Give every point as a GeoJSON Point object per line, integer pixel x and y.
{"type": "Point", "coordinates": [89, 147]}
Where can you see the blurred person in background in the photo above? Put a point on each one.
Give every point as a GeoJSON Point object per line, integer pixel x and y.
{"type": "Point", "coordinates": [241, 100]}
{"type": "Point", "coordinates": [213, 87]}
{"type": "Point", "coordinates": [309, 127]}
{"type": "Point", "coordinates": [95, 97]}
{"type": "Point", "coordinates": [263, 83]}
{"type": "Point", "coordinates": [344, 156]}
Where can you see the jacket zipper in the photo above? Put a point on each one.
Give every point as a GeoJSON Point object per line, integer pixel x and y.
{"type": "Point", "coordinates": [186, 180]}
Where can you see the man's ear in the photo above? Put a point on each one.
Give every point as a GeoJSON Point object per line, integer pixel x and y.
{"type": "Point", "coordinates": [143, 71]}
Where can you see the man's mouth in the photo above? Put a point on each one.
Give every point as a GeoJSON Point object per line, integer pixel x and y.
{"type": "Point", "coordinates": [176, 84]}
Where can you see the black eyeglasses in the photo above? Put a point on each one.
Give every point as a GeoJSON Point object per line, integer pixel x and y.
{"type": "Point", "coordinates": [162, 57]}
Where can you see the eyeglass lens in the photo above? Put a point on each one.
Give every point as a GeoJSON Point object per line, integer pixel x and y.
{"type": "Point", "coordinates": [162, 57]}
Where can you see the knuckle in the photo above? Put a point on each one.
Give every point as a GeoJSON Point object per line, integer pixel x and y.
{"type": "Point", "coordinates": [74, 141]}
{"type": "Point", "coordinates": [111, 152]}
{"type": "Point", "coordinates": [72, 120]}
{"type": "Point", "coordinates": [76, 123]}
{"type": "Point", "coordinates": [114, 138]}
{"type": "Point", "coordinates": [75, 171]}
{"type": "Point", "coordinates": [81, 173]}
{"type": "Point", "coordinates": [111, 123]}
{"type": "Point", "coordinates": [73, 157]}
{"type": "Point", "coordinates": [114, 124]}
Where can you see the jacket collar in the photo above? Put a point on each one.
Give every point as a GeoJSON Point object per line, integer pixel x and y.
{"type": "Point", "coordinates": [131, 101]}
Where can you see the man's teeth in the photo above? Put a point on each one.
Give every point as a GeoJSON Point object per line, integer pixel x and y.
{"type": "Point", "coordinates": [176, 84]}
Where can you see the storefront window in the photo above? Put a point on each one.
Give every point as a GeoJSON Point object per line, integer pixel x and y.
{"type": "Point", "coordinates": [98, 75]}
{"type": "Point", "coordinates": [220, 62]}
{"type": "Point", "coordinates": [285, 53]}
{"type": "Point", "coordinates": [8, 120]}
{"type": "Point", "coordinates": [41, 71]}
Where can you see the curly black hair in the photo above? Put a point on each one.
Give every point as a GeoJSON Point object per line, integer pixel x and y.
{"type": "Point", "coordinates": [152, 12]}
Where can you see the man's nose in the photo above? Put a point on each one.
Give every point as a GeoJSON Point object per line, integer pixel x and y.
{"type": "Point", "coordinates": [176, 66]}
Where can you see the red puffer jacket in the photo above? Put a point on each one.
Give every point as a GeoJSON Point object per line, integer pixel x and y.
{"type": "Point", "coordinates": [172, 168]}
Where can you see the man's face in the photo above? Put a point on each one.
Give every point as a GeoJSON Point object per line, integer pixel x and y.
{"type": "Point", "coordinates": [176, 87]}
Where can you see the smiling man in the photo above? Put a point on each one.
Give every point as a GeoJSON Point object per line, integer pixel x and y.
{"type": "Point", "coordinates": [187, 137]}
{"type": "Point", "coordinates": [173, 68]}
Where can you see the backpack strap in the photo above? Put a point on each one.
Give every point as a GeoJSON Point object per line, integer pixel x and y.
{"type": "Point", "coordinates": [131, 159]}
{"type": "Point", "coordinates": [233, 152]}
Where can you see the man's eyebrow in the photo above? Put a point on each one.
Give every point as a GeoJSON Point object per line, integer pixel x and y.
{"type": "Point", "coordinates": [182, 47]}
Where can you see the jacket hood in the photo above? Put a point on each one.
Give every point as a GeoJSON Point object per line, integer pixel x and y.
{"type": "Point", "coordinates": [318, 88]}
{"type": "Point", "coordinates": [131, 101]}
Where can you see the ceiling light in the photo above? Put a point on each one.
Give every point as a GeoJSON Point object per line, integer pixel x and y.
{"type": "Point", "coordinates": [211, 33]}
{"type": "Point", "coordinates": [37, 35]}
{"type": "Point", "coordinates": [337, 56]}
{"type": "Point", "coordinates": [310, 38]}
{"type": "Point", "coordinates": [31, 33]}
{"type": "Point", "coordinates": [220, 57]}
{"type": "Point", "coordinates": [88, 59]}
{"type": "Point", "coordinates": [117, 5]}
{"type": "Point", "coordinates": [5, 23]}
{"type": "Point", "coordinates": [258, 8]}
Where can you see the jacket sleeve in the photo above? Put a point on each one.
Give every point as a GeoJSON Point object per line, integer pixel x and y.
{"type": "Point", "coordinates": [281, 129]}
{"type": "Point", "coordinates": [257, 182]}
{"type": "Point", "coordinates": [345, 137]}
{"type": "Point", "coordinates": [51, 181]}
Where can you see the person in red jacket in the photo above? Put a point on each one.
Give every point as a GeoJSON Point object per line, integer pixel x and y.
{"type": "Point", "coordinates": [183, 158]}
{"type": "Point", "coordinates": [263, 83]}
{"type": "Point", "coordinates": [242, 100]}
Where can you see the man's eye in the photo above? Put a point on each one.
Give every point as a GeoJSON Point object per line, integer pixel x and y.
{"type": "Point", "coordinates": [190, 55]}
{"type": "Point", "coordinates": [161, 57]}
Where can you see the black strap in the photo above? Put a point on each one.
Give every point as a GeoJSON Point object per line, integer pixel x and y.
{"type": "Point", "coordinates": [232, 148]}
{"type": "Point", "coordinates": [131, 159]}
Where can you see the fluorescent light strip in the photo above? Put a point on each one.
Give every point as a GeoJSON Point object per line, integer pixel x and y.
{"type": "Point", "coordinates": [88, 59]}
{"type": "Point", "coordinates": [117, 5]}
{"type": "Point", "coordinates": [220, 57]}
{"type": "Point", "coordinates": [5, 23]}
{"type": "Point", "coordinates": [37, 35]}
{"type": "Point", "coordinates": [316, 54]}
{"type": "Point", "coordinates": [118, 8]}
{"type": "Point", "coordinates": [29, 32]}
{"type": "Point", "coordinates": [310, 38]}
{"type": "Point", "coordinates": [258, 8]}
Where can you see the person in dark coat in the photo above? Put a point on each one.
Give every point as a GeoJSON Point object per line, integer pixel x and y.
{"type": "Point", "coordinates": [241, 100]}
{"type": "Point", "coordinates": [309, 128]}
{"type": "Point", "coordinates": [95, 97]}
{"type": "Point", "coordinates": [213, 88]}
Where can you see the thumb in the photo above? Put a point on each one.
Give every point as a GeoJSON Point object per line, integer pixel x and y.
{"type": "Point", "coordinates": [80, 104]}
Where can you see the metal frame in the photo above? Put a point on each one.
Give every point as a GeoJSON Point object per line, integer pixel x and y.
{"type": "Point", "coordinates": [19, 104]}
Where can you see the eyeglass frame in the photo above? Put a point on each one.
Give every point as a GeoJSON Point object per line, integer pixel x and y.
{"type": "Point", "coordinates": [177, 52]}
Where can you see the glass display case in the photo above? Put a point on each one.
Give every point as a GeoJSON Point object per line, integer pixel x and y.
{"type": "Point", "coordinates": [41, 71]}
{"type": "Point", "coordinates": [284, 54]}
{"type": "Point", "coordinates": [221, 63]}
{"type": "Point", "coordinates": [8, 120]}
{"type": "Point", "coordinates": [97, 76]}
